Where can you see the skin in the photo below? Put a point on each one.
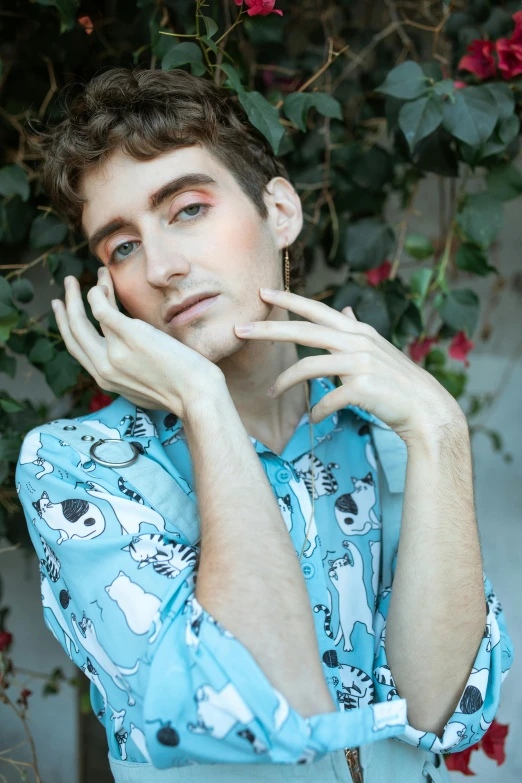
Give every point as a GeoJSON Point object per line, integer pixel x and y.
{"type": "Point", "coordinates": [432, 638]}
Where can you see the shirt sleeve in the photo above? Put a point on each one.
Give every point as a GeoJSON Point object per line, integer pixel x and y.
{"type": "Point", "coordinates": [172, 686]}
{"type": "Point", "coordinates": [479, 701]}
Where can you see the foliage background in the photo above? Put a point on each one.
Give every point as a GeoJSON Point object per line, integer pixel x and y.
{"type": "Point", "coordinates": [361, 100]}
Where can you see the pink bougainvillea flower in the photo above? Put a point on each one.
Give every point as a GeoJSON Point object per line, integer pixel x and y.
{"type": "Point", "coordinates": [459, 348]}
{"type": "Point", "coordinates": [5, 640]}
{"type": "Point", "coordinates": [459, 85]}
{"type": "Point", "coordinates": [378, 273]}
{"type": "Point", "coordinates": [98, 401]}
{"type": "Point", "coordinates": [479, 59]}
{"type": "Point", "coordinates": [509, 57]}
{"type": "Point", "coordinates": [86, 23]}
{"type": "Point", "coordinates": [459, 762]}
{"type": "Point", "coordinates": [494, 739]}
{"type": "Point", "coordinates": [419, 349]}
{"type": "Point", "coordinates": [260, 7]}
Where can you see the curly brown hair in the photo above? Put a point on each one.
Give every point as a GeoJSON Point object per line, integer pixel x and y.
{"type": "Point", "coordinates": [147, 113]}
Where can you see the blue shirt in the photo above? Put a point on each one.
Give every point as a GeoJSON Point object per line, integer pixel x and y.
{"type": "Point", "coordinates": [171, 685]}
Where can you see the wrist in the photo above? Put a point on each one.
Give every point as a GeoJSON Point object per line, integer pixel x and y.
{"type": "Point", "coordinates": [430, 436]}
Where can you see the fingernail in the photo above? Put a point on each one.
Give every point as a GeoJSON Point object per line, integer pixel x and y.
{"type": "Point", "coordinates": [268, 291]}
{"type": "Point", "coordinates": [243, 328]}
{"type": "Point", "coordinates": [270, 392]}
{"type": "Point", "coordinates": [66, 282]}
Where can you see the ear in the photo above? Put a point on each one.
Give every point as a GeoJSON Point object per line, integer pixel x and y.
{"type": "Point", "coordinates": [285, 213]}
{"type": "Point", "coordinates": [126, 548]}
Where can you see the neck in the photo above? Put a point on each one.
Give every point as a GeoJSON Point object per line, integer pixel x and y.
{"type": "Point", "coordinates": [249, 374]}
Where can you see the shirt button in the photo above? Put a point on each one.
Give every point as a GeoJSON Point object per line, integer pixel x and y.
{"type": "Point", "coordinates": [308, 570]}
{"type": "Point", "coordinates": [283, 475]}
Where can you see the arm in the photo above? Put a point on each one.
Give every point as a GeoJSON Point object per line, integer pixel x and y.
{"type": "Point", "coordinates": [437, 612]}
{"type": "Point", "coordinates": [249, 576]}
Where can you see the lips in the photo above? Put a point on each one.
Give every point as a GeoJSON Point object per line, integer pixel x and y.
{"type": "Point", "coordinates": [189, 302]}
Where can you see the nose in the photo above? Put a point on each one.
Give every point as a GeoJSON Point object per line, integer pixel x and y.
{"type": "Point", "coordinates": [163, 259]}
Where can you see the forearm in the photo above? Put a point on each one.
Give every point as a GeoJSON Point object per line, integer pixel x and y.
{"type": "Point", "coordinates": [249, 577]}
{"type": "Point", "coordinates": [437, 611]}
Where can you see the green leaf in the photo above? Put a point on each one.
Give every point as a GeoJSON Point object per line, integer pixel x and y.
{"type": "Point", "coordinates": [326, 104]}
{"type": "Point", "coordinates": [67, 10]}
{"type": "Point", "coordinates": [418, 246]}
{"type": "Point", "coordinates": [23, 290]}
{"type": "Point", "coordinates": [232, 77]}
{"type": "Point", "coordinates": [13, 182]}
{"type": "Point", "coordinates": [6, 293]}
{"type": "Point", "coordinates": [263, 116]}
{"type": "Point", "coordinates": [436, 359]}
{"type": "Point", "coordinates": [473, 115]}
{"type": "Point", "coordinates": [503, 96]}
{"type": "Point", "coordinates": [417, 119]}
{"type": "Point", "coordinates": [504, 182]}
{"type": "Point", "coordinates": [453, 382]}
{"type": "Point", "coordinates": [419, 285]}
{"type": "Point", "coordinates": [460, 310]}
{"type": "Point", "coordinates": [367, 243]}
{"type": "Point", "coordinates": [471, 258]}
{"type": "Point", "coordinates": [8, 321]}
{"type": "Point", "coordinates": [508, 129]}
{"type": "Point", "coordinates": [11, 406]}
{"type": "Point", "coordinates": [63, 264]}
{"type": "Point", "coordinates": [406, 81]}
{"type": "Point", "coordinates": [371, 308]}
{"type": "Point", "coordinates": [62, 372]}
{"type": "Point", "coordinates": [7, 364]}
{"type": "Point", "coordinates": [296, 107]}
{"type": "Point", "coordinates": [210, 25]}
{"type": "Point", "coordinates": [183, 54]}
{"type": "Point", "coordinates": [481, 218]}
{"type": "Point", "coordinates": [445, 88]}
{"type": "Point", "coordinates": [42, 351]}
{"type": "Point", "coordinates": [47, 230]}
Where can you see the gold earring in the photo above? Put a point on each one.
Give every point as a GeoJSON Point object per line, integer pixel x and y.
{"type": "Point", "coordinates": [287, 270]}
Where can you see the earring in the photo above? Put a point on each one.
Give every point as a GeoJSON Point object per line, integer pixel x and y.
{"type": "Point", "coordinates": [287, 270]}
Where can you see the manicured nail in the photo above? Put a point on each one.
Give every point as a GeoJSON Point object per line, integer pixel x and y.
{"type": "Point", "coordinates": [268, 292]}
{"type": "Point", "coordinates": [66, 282]}
{"type": "Point", "coordinates": [243, 328]}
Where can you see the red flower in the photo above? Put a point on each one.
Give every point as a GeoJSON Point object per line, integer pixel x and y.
{"type": "Point", "coordinates": [5, 640]}
{"type": "Point", "coordinates": [459, 348]}
{"type": "Point", "coordinates": [379, 273]}
{"type": "Point", "coordinates": [22, 699]}
{"type": "Point", "coordinates": [418, 350]}
{"type": "Point", "coordinates": [493, 742]}
{"type": "Point", "coordinates": [459, 762]}
{"type": "Point", "coordinates": [509, 50]}
{"type": "Point", "coordinates": [459, 85]}
{"type": "Point", "coordinates": [260, 7]}
{"type": "Point", "coordinates": [479, 59]}
{"type": "Point", "coordinates": [98, 401]}
{"type": "Point", "coordinates": [86, 23]}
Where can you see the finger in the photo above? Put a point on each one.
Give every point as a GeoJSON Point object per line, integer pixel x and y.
{"type": "Point", "coordinates": [352, 363]}
{"type": "Point", "coordinates": [337, 399]}
{"type": "Point", "coordinates": [85, 335]}
{"type": "Point", "coordinates": [306, 333]}
{"type": "Point", "coordinates": [318, 312]}
{"type": "Point", "coordinates": [349, 312]}
{"type": "Point", "coordinates": [62, 321]}
{"type": "Point", "coordinates": [104, 277]}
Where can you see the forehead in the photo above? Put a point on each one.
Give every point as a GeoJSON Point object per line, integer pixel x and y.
{"type": "Point", "coordinates": [121, 184]}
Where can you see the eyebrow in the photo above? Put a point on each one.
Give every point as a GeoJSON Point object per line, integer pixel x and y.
{"type": "Point", "coordinates": [155, 200]}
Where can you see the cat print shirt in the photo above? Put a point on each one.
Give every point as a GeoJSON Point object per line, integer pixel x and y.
{"type": "Point", "coordinates": [171, 685]}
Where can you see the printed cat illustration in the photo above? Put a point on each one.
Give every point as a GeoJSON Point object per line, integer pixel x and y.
{"type": "Point", "coordinates": [354, 510]}
{"type": "Point", "coordinates": [141, 609]}
{"type": "Point", "coordinates": [86, 634]}
{"type": "Point", "coordinates": [166, 557]}
{"type": "Point", "coordinates": [51, 562]}
{"type": "Point", "coordinates": [324, 480]}
{"type": "Point", "coordinates": [29, 453]}
{"type": "Point", "coordinates": [50, 602]}
{"type": "Point", "coordinates": [285, 506]}
{"type": "Point", "coordinates": [375, 551]}
{"type": "Point", "coordinates": [219, 711]}
{"type": "Point", "coordinates": [474, 694]}
{"type": "Point", "coordinates": [130, 515]}
{"type": "Point", "coordinates": [74, 518]}
{"type": "Point", "coordinates": [140, 426]}
{"type": "Point", "coordinates": [117, 716]}
{"type": "Point", "coordinates": [304, 500]}
{"type": "Point", "coordinates": [358, 688]}
{"type": "Point", "coordinates": [138, 737]}
{"type": "Point", "coordinates": [346, 574]}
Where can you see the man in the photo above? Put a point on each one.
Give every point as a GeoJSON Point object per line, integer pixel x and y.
{"type": "Point", "coordinates": [265, 658]}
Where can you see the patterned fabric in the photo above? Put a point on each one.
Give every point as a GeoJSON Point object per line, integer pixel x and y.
{"type": "Point", "coordinates": [171, 685]}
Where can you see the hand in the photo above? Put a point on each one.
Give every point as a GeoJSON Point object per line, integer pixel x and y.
{"type": "Point", "coordinates": [143, 364]}
{"type": "Point", "coordinates": [374, 374]}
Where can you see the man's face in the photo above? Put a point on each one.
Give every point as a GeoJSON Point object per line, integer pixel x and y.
{"type": "Point", "coordinates": [159, 257]}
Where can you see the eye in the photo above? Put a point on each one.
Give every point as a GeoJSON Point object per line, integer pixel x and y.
{"type": "Point", "coordinates": [203, 209]}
